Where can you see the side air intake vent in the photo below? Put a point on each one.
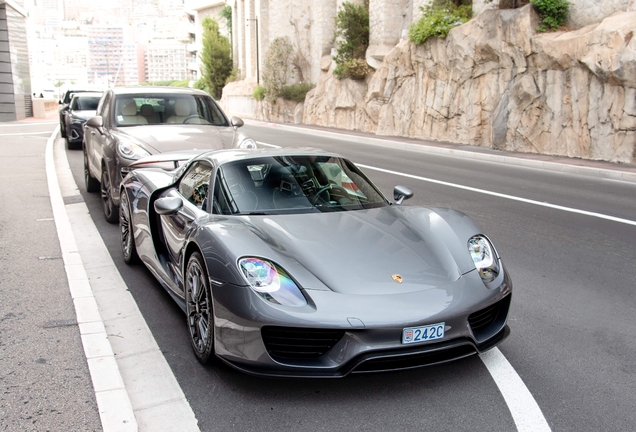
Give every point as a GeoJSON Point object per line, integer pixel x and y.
{"type": "Point", "coordinates": [490, 320]}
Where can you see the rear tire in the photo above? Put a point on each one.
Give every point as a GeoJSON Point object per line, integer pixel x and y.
{"type": "Point", "coordinates": [127, 236]}
{"type": "Point", "coordinates": [73, 145]}
{"type": "Point", "coordinates": [199, 312]}
{"type": "Point", "coordinates": [111, 212]}
{"type": "Point", "coordinates": [92, 185]}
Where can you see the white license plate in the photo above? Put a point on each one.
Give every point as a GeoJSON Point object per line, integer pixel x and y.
{"type": "Point", "coordinates": [423, 333]}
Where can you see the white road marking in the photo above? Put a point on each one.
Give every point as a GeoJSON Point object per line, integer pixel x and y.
{"type": "Point", "coordinates": [27, 124]}
{"type": "Point", "coordinates": [500, 195]}
{"type": "Point", "coordinates": [27, 133]}
{"type": "Point", "coordinates": [524, 409]}
{"type": "Point", "coordinates": [267, 145]}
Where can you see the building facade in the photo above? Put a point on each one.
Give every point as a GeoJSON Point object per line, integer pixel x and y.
{"type": "Point", "coordinates": [15, 77]}
{"type": "Point", "coordinates": [165, 59]}
{"type": "Point", "coordinates": [112, 56]}
{"type": "Point", "coordinates": [197, 11]}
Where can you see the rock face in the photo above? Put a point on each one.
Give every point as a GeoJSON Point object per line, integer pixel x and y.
{"type": "Point", "coordinates": [494, 82]}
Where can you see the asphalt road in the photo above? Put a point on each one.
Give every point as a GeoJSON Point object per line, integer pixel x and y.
{"type": "Point", "coordinates": [572, 312]}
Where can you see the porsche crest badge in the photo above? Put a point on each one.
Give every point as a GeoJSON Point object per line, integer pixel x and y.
{"type": "Point", "coordinates": [397, 278]}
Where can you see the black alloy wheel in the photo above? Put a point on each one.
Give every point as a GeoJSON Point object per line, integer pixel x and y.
{"type": "Point", "coordinates": [72, 145]}
{"type": "Point", "coordinates": [111, 212]}
{"type": "Point", "coordinates": [199, 309]}
{"type": "Point", "coordinates": [128, 247]}
{"type": "Point", "coordinates": [92, 185]}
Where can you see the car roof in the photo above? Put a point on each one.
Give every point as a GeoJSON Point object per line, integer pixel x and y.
{"type": "Point", "coordinates": [232, 155]}
{"type": "Point", "coordinates": [143, 90]}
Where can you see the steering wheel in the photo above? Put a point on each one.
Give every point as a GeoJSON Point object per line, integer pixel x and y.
{"type": "Point", "coordinates": [194, 116]}
{"type": "Point", "coordinates": [332, 187]}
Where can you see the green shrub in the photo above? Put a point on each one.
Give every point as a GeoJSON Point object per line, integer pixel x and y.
{"type": "Point", "coordinates": [277, 67]}
{"type": "Point", "coordinates": [356, 69]}
{"type": "Point", "coordinates": [234, 75]}
{"type": "Point", "coordinates": [553, 13]}
{"type": "Point", "coordinates": [259, 93]}
{"type": "Point", "coordinates": [438, 19]}
{"type": "Point", "coordinates": [296, 92]}
{"type": "Point", "coordinates": [352, 40]}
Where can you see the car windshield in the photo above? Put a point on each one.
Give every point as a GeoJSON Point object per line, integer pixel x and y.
{"type": "Point", "coordinates": [85, 103]}
{"type": "Point", "coordinates": [143, 109]}
{"type": "Point", "coordinates": [292, 184]}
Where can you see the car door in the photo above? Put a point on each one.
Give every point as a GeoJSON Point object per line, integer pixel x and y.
{"type": "Point", "coordinates": [94, 138]}
{"type": "Point", "coordinates": [193, 190]}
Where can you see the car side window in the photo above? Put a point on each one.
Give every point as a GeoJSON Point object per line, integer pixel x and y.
{"type": "Point", "coordinates": [194, 184]}
{"type": "Point", "coordinates": [102, 103]}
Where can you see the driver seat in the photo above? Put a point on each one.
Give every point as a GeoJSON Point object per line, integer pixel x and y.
{"type": "Point", "coordinates": [182, 111]}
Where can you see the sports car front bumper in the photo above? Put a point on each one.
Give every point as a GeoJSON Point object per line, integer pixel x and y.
{"type": "Point", "coordinates": [338, 334]}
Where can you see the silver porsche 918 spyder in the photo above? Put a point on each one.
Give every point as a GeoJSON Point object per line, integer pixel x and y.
{"type": "Point", "coordinates": [292, 263]}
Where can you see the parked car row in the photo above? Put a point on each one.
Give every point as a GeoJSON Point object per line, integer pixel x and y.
{"type": "Point", "coordinates": [122, 125]}
{"type": "Point", "coordinates": [286, 262]}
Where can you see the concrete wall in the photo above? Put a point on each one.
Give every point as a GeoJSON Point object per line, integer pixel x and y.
{"type": "Point", "coordinates": [15, 80]}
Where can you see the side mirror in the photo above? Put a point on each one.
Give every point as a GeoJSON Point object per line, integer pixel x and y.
{"type": "Point", "coordinates": [168, 205]}
{"type": "Point", "coordinates": [236, 122]}
{"type": "Point", "coordinates": [60, 101]}
{"type": "Point", "coordinates": [96, 122]}
{"type": "Point", "coordinates": [401, 193]}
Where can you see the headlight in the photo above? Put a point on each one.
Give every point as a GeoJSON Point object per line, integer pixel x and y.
{"type": "Point", "coordinates": [483, 254]}
{"type": "Point", "coordinates": [247, 143]}
{"type": "Point", "coordinates": [271, 282]}
{"type": "Point", "coordinates": [75, 120]}
{"type": "Point", "coordinates": [129, 150]}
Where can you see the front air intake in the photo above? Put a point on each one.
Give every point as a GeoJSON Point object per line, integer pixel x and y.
{"type": "Point", "coordinates": [490, 320]}
{"type": "Point", "coordinates": [290, 343]}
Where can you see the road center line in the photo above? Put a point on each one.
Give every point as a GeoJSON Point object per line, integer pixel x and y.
{"type": "Point", "coordinates": [524, 409]}
{"type": "Point", "coordinates": [500, 195]}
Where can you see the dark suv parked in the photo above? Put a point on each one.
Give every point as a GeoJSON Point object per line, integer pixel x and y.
{"type": "Point", "coordinates": [64, 107]}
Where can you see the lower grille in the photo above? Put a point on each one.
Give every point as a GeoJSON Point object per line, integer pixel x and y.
{"type": "Point", "coordinates": [289, 343]}
{"type": "Point", "coordinates": [409, 361]}
{"type": "Point", "coordinates": [490, 320]}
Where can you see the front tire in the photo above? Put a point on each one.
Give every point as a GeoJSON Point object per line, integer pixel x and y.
{"type": "Point", "coordinates": [111, 212]}
{"type": "Point", "coordinates": [127, 237]}
{"type": "Point", "coordinates": [199, 313]}
{"type": "Point", "coordinates": [92, 185]}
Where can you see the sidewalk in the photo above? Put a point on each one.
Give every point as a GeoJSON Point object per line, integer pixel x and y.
{"type": "Point", "coordinates": [45, 382]}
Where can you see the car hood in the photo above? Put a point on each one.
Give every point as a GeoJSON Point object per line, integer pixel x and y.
{"type": "Point", "coordinates": [359, 252]}
{"type": "Point", "coordinates": [164, 138]}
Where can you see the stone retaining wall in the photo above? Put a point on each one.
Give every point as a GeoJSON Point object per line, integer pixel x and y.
{"type": "Point", "coordinates": [495, 83]}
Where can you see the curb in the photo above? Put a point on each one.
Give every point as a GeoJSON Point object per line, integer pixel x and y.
{"type": "Point", "coordinates": [466, 154]}
{"type": "Point", "coordinates": [115, 409]}
{"type": "Point", "coordinates": [134, 385]}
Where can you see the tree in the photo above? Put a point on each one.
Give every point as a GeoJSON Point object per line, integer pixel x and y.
{"type": "Point", "coordinates": [216, 58]}
{"type": "Point", "coordinates": [226, 13]}
{"type": "Point", "coordinates": [352, 40]}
